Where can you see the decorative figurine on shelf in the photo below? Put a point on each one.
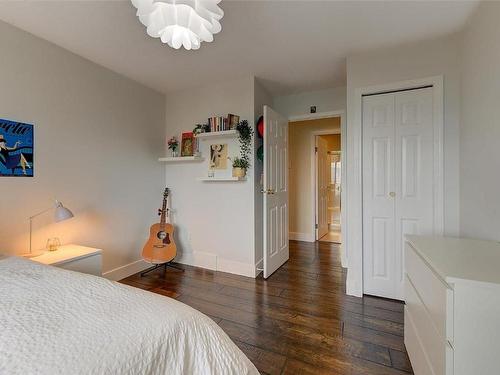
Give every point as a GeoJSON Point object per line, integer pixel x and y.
{"type": "Point", "coordinates": [211, 170]}
{"type": "Point", "coordinates": [173, 143]}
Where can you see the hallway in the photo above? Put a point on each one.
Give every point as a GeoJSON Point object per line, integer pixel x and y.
{"type": "Point", "coordinates": [299, 321]}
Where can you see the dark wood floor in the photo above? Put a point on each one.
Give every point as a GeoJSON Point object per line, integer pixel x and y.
{"type": "Point", "coordinates": [299, 321]}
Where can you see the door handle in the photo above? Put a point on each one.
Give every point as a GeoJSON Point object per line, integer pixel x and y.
{"type": "Point", "coordinates": [268, 191]}
{"type": "Point", "coordinates": [392, 194]}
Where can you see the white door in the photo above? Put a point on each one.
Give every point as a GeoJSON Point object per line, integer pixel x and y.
{"type": "Point", "coordinates": [275, 191]}
{"type": "Point", "coordinates": [398, 189]}
{"type": "Point", "coordinates": [322, 184]}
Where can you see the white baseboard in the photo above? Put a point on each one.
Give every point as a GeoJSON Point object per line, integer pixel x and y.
{"type": "Point", "coordinates": [296, 236]}
{"type": "Point", "coordinates": [238, 268]}
{"type": "Point", "coordinates": [198, 259]}
{"type": "Point", "coordinates": [216, 263]}
{"type": "Point", "coordinates": [126, 270]}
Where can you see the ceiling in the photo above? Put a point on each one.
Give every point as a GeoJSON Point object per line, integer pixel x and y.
{"type": "Point", "coordinates": [292, 46]}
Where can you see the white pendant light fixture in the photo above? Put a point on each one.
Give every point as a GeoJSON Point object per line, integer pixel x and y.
{"type": "Point", "coordinates": [180, 22]}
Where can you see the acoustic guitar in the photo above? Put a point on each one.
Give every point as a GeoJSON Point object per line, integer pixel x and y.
{"type": "Point", "coordinates": [161, 247]}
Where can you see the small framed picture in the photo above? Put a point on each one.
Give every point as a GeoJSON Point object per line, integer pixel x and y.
{"type": "Point", "coordinates": [218, 156]}
{"type": "Point", "coordinates": [187, 144]}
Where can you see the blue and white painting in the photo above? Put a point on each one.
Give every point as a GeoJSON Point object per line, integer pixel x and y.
{"type": "Point", "coordinates": [16, 149]}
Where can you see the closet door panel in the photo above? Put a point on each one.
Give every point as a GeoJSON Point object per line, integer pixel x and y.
{"type": "Point", "coordinates": [414, 200]}
{"type": "Point", "coordinates": [378, 205]}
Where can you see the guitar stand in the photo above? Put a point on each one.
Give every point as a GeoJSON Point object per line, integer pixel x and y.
{"type": "Point", "coordinates": [156, 266]}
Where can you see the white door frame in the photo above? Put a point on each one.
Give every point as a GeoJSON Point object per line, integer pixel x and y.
{"type": "Point", "coordinates": [343, 192]}
{"type": "Point", "coordinates": [354, 202]}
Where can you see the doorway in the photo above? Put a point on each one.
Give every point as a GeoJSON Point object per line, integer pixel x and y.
{"type": "Point", "coordinates": [315, 198]}
{"type": "Point", "coordinates": [328, 188]}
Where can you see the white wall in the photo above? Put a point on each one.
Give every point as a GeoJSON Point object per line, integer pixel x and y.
{"type": "Point", "coordinates": [480, 127]}
{"type": "Point", "coordinates": [412, 61]}
{"type": "Point", "coordinates": [97, 137]}
{"type": "Point", "coordinates": [299, 104]}
{"type": "Point", "coordinates": [215, 220]}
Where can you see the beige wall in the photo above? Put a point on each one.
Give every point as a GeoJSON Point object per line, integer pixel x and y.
{"type": "Point", "coordinates": [97, 139]}
{"type": "Point", "coordinates": [301, 173]}
{"type": "Point", "coordinates": [480, 125]}
{"type": "Point", "coordinates": [332, 142]}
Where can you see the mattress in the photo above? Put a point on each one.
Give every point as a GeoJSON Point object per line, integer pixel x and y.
{"type": "Point", "coordinates": [54, 321]}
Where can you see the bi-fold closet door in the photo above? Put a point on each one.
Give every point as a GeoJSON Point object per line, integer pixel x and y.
{"type": "Point", "coordinates": [398, 183]}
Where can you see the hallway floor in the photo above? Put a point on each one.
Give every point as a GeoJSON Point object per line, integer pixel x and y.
{"type": "Point", "coordinates": [333, 235]}
{"type": "Point", "coordinates": [299, 321]}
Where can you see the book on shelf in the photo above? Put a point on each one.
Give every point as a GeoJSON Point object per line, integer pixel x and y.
{"type": "Point", "coordinates": [221, 123]}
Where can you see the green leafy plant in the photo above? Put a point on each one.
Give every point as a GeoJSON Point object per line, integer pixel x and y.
{"type": "Point", "coordinates": [245, 139]}
{"type": "Point", "coordinates": [239, 163]}
{"type": "Point", "coordinates": [201, 128]}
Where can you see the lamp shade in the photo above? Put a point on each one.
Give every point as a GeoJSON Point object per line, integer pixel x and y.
{"type": "Point", "coordinates": [61, 213]}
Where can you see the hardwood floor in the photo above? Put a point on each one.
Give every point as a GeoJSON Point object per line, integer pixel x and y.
{"type": "Point", "coordinates": [299, 321]}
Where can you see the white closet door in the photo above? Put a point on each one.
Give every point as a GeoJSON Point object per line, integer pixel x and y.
{"type": "Point", "coordinates": [378, 201]}
{"type": "Point", "coordinates": [415, 170]}
{"type": "Point", "coordinates": [398, 189]}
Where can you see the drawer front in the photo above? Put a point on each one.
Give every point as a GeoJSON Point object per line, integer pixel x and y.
{"type": "Point", "coordinates": [432, 344]}
{"type": "Point", "coordinates": [91, 265]}
{"type": "Point", "coordinates": [435, 295]}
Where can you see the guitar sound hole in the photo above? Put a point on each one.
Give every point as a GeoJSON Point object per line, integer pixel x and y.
{"type": "Point", "coordinates": [163, 236]}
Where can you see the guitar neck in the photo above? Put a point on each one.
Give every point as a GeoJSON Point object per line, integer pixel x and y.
{"type": "Point", "coordinates": [164, 211]}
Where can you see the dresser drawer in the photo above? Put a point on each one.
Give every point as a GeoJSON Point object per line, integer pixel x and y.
{"type": "Point", "coordinates": [435, 295]}
{"type": "Point", "coordinates": [430, 342]}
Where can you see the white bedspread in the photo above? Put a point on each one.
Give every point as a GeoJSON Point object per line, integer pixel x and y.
{"type": "Point", "coordinates": [54, 321]}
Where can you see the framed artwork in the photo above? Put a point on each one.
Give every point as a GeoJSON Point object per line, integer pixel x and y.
{"type": "Point", "coordinates": [16, 149]}
{"type": "Point", "coordinates": [187, 144]}
{"type": "Point", "coordinates": [218, 156]}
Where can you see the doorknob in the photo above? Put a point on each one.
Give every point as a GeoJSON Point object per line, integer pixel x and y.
{"type": "Point", "coordinates": [392, 194]}
{"type": "Point", "coordinates": [268, 191]}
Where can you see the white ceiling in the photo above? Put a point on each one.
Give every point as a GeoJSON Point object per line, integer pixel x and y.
{"type": "Point", "coordinates": [292, 46]}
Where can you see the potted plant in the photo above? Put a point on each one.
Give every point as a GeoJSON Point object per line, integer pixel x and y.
{"type": "Point", "coordinates": [173, 143]}
{"type": "Point", "coordinates": [242, 163]}
{"type": "Point", "coordinates": [240, 167]}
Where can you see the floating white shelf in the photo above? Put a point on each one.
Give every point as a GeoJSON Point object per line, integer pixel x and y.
{"type": "Point", "coordinates": [221, 179]}
{"type": "Point", "coordinates": [181, 159]}
{"type": "Point", "coordinates": [225, 133]}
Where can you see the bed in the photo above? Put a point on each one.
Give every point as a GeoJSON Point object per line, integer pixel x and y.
{"type": "Point", "coordinates": [54, 321]}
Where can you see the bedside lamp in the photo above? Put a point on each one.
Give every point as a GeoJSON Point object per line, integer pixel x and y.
{"type": "Point", "coordinates": [61, 213]}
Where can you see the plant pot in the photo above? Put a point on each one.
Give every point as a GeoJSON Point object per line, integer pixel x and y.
{"type": "Point", "coordinates": [239, 172]}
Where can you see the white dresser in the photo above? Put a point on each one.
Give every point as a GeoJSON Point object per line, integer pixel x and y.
{"type": "Point", "coordinates": [452, 312]}
{"type": "Point", "coordinates": [75, 258]}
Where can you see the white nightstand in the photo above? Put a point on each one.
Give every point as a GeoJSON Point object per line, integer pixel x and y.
{"type": "Point", "coordinates": [74, 258]}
